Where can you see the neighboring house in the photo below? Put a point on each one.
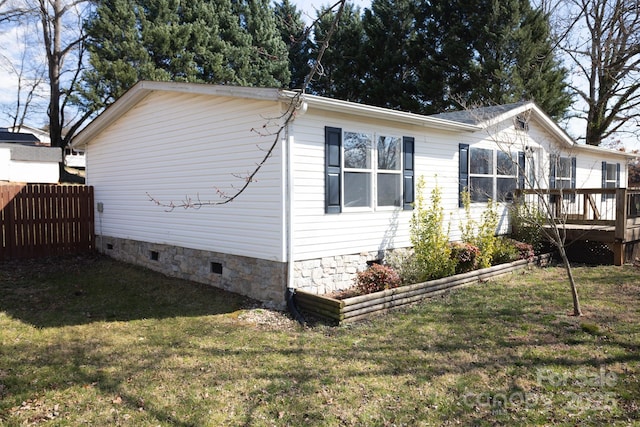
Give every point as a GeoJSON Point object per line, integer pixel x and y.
{"type": "Point", "coordinates": [73, 158]}
{"type": "Point", "coordinates": [24, 160]}
{"type": "Point", "coordinates": [336, 192]}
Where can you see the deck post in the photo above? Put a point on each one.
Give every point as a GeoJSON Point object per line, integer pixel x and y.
{"type": "Point", "coordinates": [621, 226]}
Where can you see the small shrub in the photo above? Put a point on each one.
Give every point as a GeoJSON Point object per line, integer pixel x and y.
{"type": "Point", "coordinates": [466, 256]}
{"type": "Point", "coordinates": [406, 266]}
{"type": "Point", "coordinates": [504, 251]}
{"type": "Point", "coordinates": [377, 278]}
{"type": "Point", "coordinates": [430, 236]}
{"type": "Point", "coordinates": [525, 250]}
{"type": "Point", "coordinates": [481, 234]}
{"type": "Point", "coordinates": [526, 226]}
{"type": "Point", "coordinates": [508, 250]}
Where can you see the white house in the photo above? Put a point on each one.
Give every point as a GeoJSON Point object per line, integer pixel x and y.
{"type": "Point", "coordinates": [23, 160]}
{"type": "Point", "coordinates": [335, 192]}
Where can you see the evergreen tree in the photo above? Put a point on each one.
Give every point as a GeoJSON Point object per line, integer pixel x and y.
{"type": "Point", "coordinates": [266, 62]}
{"type": "Point", "coordinates": [294, 34]}
{"type": "Point", "coordinates": [343, 64]}
{"type": "Point", "coordinates": [427, 56]}
{"type": "Point", "coordinates": [211, 41]}
{"type": "Point", "coordinates": [391, 38]}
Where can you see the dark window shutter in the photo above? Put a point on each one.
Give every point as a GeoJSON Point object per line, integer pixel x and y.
{"type": "Point", "coordinates": [522, 166]}
{"type": "Point", "coordinates": [573, 172]}
{"type": "Point", "coordinates": [408, 174]}
{"type": "Point", "coordinates": [604, 174]}
{"type": "Point", "coordinates": [617, 175]}
{"type": "Point", "coordinates": [332, 151]}
{"type": "Point", "coordinates": [463, 171]}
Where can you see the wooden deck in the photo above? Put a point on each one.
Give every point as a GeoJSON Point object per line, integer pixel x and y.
{"type": "Point", "coordinates": [610, 216]}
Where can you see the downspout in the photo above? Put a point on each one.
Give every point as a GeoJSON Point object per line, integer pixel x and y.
{"type": "Point", "coordinates": [288, 147]}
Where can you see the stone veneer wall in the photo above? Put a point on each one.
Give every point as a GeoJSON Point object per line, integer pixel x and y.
{"type": "Point", "coordinates": [328, 274]}
{"type": "Point", "coordinates": [256, 278]}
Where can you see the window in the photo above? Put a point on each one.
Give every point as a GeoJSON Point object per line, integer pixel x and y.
{"type": "Point", "coordinates": [490, 174]}
{"type": "Point", "coordinates": [389, 173]}
{"type": "Point", "coordinates": [522, 123]}
{"type": "Point", "coordinates": [357, 169]}
{"type": "Point", "coordinates": [562, 174]}
{"type": "Point", "coordinates": [367, 171]}
{"type": "Point", "coordinates": [610, 177]}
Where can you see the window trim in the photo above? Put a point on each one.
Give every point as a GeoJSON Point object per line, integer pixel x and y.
{"type": "Point", "coordinates": [335, 170]}
{"type": "Point", "coordinates": [465, 175]}
{"type": "Point", "coordinates": [554, 162]}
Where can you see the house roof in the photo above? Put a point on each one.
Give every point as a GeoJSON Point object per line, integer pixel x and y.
{"type": "Point", "coordinates": [477, 116]}
{"type": "Point", "coordinates": [17, 137]}
{"type": "Point", "coordinates": [144, 88]}
{"type": "Point", "coordinates": [486, 116]}
{"type": "Point", "coordinates": [469, 121]}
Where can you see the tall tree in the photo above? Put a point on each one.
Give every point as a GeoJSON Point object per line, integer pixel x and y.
{"type": "Point", "coordinates": [391, 78]}
{"type": "Point", "coordinates": [212, 41]}
{"type": "Point", "coordinates": [341, 73]}
{"type": "Point", "coordinates": [295, 35]}
{"type": "Point", "coordinates": [602, 40]}
{"type": "Point", "coordinates": [489, 52]}
{"type": "Point", "coordinates": [481, 51]}
{"type": "Point", "coordinates": [61, 39]}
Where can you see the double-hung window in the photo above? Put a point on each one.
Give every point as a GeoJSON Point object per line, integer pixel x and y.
{"type": "Point", "coordinates": [358, 169]}
{"type": "Point", "coordinates": [610, 177]}
{"type": "Point", "coordinates": [490, 174]}
{"type": "Point", "coordinates": [562, 174]}
{"type": "Point", "coordinates": [367, 171]}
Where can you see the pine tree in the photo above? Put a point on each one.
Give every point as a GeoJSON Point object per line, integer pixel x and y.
{"type": "Point", "coordinates": [294, 34]}
{"type": "Point", "coordinates": [212, 41]}
{"type": "Point", "coordinates": [267, 60]}
{"type": "Point", "coordinates": [428, 56]}
{"type": "Point", "coordinates": [343, 64]}
{"type": "Point", "coordinates": [489, 52]}
{"type": "Point", "coordinates": [391, 79]}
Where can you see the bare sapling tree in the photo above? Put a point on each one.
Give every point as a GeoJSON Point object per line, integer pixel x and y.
{"type": "Point", "coordinates": [544, 208]}
{"type": "Point", "coordinates": [273, 127]}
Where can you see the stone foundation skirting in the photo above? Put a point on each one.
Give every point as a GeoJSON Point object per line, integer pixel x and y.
{"type": "Point", "coordinates": [256, 278]}
{"type": "Point", "coordinates": [329, 274]}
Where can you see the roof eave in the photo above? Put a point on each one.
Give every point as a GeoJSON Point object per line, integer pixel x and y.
{"type": "Point", "coordinates": [143, 89]}
{"type": "Point", "coordinates": [346, 107]}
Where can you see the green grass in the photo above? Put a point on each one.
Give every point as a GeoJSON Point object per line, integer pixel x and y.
{"type": "Point", "coordinates": [90, 341]}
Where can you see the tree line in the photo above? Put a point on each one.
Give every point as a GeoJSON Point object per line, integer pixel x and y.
{"type": "Point", "coordinates": [420, 56]}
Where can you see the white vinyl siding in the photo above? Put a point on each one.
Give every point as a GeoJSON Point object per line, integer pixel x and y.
{"type": "Point", "coordinates": [180, 147]}
{"type": "Point", "coordinates": [317, 234]}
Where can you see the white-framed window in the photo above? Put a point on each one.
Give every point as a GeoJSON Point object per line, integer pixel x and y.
{"type": "Point", "coordinates": [493, 174]}
{"type": "Point", "coordinates": [367, 171]}
{"type": "Point", "coordinates": [389, 178]}
{"type": "Point", "coordinates": [562, 174]}
{"type": "Point", "coordinates": [357, 169]}
{"type": "Point", "coordinates": [610, 177]}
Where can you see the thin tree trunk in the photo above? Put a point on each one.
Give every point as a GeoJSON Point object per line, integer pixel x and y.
{"type": "Point", "coordinates": [577, 311]}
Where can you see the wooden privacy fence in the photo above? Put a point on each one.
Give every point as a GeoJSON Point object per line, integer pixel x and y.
{"type": "Point", "coordinates": [38, 220]}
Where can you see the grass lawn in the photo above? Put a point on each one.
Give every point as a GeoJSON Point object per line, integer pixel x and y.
{"type": "Point", "coordinates": [90, 341]}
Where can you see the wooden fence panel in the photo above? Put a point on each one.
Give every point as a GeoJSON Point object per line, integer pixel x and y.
{"type": "Point", "coordinates": [45, 220]}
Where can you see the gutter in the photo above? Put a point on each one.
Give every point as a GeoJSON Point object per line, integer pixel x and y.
{"type": "Point", "coordinates": [346, 107]}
